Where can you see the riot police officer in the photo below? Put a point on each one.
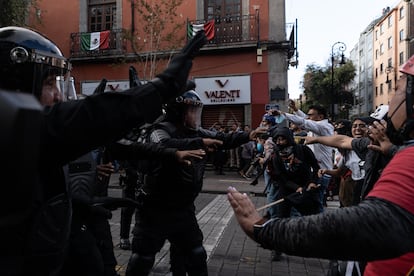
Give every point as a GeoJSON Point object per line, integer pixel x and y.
{"type": "Point", "coordinates": [166, 198]}
{"type": "Point", "coordinates": [34, 234]}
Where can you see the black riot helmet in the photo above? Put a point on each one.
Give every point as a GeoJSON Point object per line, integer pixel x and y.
{"type": "Point", "coordinates": [27, 59]}
{"type": "Point", "coordinates": [186, 109]}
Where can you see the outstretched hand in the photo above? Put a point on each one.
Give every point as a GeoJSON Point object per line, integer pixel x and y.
{"type": "Point", "coordinates": [381, 142]}
{"type": "Point", "coordinates": [310, 140]}
{"type": "Point", "coordinates": [292, 105]}
{"type": "Point", "coordinates": [244, 210]}
{"type": "Point", "coordinates": [212, 144]}
{"type": "Point", "coordinates": [185, 156]}
{"type": "Point", "coordinates": [255, 133]}
{"type": "Point", "coordinates": [105, 170]}
{"type": "Point", "coordinates": [194, 45]}
{"type": "Point", "coordinates": [174, 77]}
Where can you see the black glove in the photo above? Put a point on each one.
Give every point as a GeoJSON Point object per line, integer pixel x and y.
{"type": "Point", "coordinates": [194, 45]}
{"type": "Point", "coordinates": [172, 81]}
{"type": "Point", "coordinates": [101, 87]}
{"type": "Point", "coordinates": [133, 77]}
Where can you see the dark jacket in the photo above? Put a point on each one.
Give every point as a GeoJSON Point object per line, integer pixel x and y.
{"type": "Point", "coordinates": [35, 239]}
{"type": "Point", "coordinates": [344, 233]}
{"type": "Point", "coordinates": [298, 169]}
{"type": "Point", "coordinates": [174, 185]}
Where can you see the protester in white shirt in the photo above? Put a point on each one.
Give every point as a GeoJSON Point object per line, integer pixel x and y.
{"type": "Point", "coordinates": [317, 124]}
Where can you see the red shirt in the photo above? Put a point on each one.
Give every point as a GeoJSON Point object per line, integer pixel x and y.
{"type": "Point", "coordinates": [396, 185]}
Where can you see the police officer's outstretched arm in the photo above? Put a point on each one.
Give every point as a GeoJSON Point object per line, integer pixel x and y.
{"type": "Point", "coordinates": [172, 81]}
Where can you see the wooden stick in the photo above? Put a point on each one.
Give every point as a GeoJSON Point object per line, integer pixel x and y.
{"type": "Point", "coordinates": [270, 204]}
{"type": "Point", "coordinates": [282, 199]}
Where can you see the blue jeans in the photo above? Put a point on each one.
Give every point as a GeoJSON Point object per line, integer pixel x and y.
{"type": "Point", "coordinates": [324, 182]}
{"type": "Point", "coordinates": [272, 192]}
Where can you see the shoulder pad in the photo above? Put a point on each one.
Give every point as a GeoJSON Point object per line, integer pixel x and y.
{"type": "Point", "coordinates": [158, 135]}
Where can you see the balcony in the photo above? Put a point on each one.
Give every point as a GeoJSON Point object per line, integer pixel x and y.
{"type": "Point", "coordinates": [233, 31]}
{"type": "Point", "coordinates": [115, 47]}
{"type": "Point", "coordinates": [241, 31]}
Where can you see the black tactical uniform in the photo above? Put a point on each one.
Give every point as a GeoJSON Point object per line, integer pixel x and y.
{"type": "Point", "coordinates": [167, 210]}
{"type": "Point", "coordinates": [35, 233]}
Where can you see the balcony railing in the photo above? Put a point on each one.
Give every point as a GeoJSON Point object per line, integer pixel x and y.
{"type": "Point", "coordinates": [116, 45]}
{"type": "Point", "coordinates": [239, 29]}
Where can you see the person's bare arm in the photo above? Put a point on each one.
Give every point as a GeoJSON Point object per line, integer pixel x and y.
{"type": "Point", "coordinates": [337, 141]}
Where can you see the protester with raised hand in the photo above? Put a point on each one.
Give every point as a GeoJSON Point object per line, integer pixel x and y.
{"type": "Point", "coordinates": [378, 230]}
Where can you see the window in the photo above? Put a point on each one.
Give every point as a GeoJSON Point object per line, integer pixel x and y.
{"type": "Point", "coordinates": [228, 20]}
{"type": "Point", "coordinates": [381, 28]}
{"type": "Point", "coordinates": [376, 54]}
{"type": "Point", "coordinates": [401, 13]}
{"type": "Point", "coordinates": [390, 21]}
{"type": "Point", "coordinates": [376, 91]}
{"type": "Point", "coordinates": [389, 63]}
{"type": "Point", "coordinates": [223, 8]}
{"type": "Point", "coordinates": [382, 68]}
{"type": "Point", "coordinates": [381, 89]}
{"type": "Point", "coordinates": [402, 35]}
{"type": "Point", "coordinates": [401, 58]}
{"type": "Point", "coordinates": [389, 86]}
{"type": "Point", "coordinates": [101, 15]}
{"type": "Point", "coordinates": [376, 34]}
{"type": "Point", "coordinates": [381, 49]}
{"type": "Point", "coordinates": [390, 42]}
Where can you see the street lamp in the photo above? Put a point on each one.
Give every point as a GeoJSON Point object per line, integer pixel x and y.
{"type": "Point", "coordinates": [389, 70]}
{"type": "Point", "coordinates": [337, 48]}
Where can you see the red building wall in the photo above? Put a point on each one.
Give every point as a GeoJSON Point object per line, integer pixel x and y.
{"type": "Point", "coordinates": [59, 21]}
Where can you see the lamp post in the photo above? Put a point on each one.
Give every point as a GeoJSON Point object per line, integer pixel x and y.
{"type": "Point", "coordinates": [389, 70]}
{"type": "Point", "coordinates": [337, 48]}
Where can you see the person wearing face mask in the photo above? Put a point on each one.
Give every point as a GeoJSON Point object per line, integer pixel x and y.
{"type": "Point", "coordinates": [379, 230]}
{"type": "Point", "coordinates": [316, 123]}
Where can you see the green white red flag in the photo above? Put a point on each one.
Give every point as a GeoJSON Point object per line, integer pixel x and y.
{"type": "Point", "coordinates": [208, 27]}
{"type": "Point", "coordinates": [94, 41]}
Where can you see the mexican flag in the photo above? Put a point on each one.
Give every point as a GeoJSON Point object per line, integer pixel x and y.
{"type": "Point", "coordinates": [208, 27]}
{"type": "Point", "coordinates": [94, 41]}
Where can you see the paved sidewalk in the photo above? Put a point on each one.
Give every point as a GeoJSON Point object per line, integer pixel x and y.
{"type": "Point", "coordinates": [229, 250]}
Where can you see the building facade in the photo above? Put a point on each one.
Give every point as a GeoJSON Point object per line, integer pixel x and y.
{"type": "Point", "coordinates": [241, 69]}
{"type": "Point", "coordinates": [382, 48]}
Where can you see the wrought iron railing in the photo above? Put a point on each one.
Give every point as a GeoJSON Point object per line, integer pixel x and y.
{"type": "Point", "coordinates": [233, 29]}
{"type": "Point", "coordinates": [117, 45]}
{"type": "Point", "coordinates": [238, 29]}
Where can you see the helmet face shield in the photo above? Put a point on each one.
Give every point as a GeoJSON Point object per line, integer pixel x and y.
{"type": "Point", "coordinates": [29, 61]}
{"type": "Point", "coordinates": [54, 86]}
{"type": "Point", "coordinates": [192, 117]}
{"type": "Point", "coordinates": [189, 108]}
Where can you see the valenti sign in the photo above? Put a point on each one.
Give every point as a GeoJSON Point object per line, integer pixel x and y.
{"type": "Point", "coordinates": [87, 87]}
{"type": "Point", "coordinates": [224, 90]}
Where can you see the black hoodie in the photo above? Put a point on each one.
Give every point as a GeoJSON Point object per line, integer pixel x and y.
{"type": "Point", "coordinates": [295, 169]}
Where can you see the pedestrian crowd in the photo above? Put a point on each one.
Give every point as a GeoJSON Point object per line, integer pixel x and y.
{"type": "Point", "coordinates": [57, 224]}
{"type": "Point", "coordinates": [372, 234]}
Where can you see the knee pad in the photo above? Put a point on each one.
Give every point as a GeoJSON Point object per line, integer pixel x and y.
{"type": "Point", "coordinates": [198, 255]}
{"type": "Point", "coordinates": [198, 261]}
{"type": "Point", "coordinates": [139, 265]}
{"type": "Point", "coordinates": [193, 261]}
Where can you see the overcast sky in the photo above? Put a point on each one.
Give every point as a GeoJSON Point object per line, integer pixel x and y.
{"type": "Point", "coordinates": [321, 23]}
